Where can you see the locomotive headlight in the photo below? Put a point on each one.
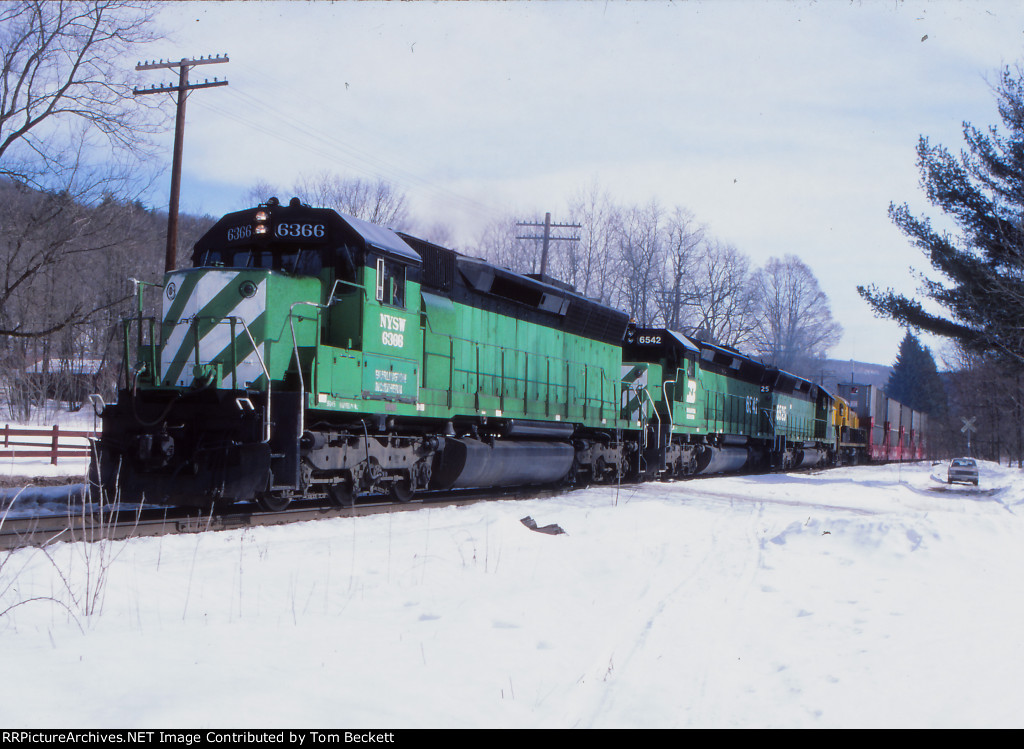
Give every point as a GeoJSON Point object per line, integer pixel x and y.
{"type": "Point", "coordinates": [261, 223]}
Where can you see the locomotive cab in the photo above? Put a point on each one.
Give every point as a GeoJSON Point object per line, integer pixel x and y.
{"type": "Point", "coordinates": [213, 408]}
{"type": "Point", "coordinates": [681, 407]}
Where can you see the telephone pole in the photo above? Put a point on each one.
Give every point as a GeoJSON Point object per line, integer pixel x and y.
{"type": "Point", "coordinates": [548, 226]}
{"type": "Point", "coordinates": [183, 87]}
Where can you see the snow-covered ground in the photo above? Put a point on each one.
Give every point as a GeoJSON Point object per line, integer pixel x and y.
{"type": "Point", "coordinates": [858, 597]}
{"type": "Point", "coordinates": [35, 485]}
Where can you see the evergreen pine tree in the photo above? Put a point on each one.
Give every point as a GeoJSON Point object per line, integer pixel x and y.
{"type": "Point", "coordinates": [982, 191]}
{"type": "Point", "coordinates": [915, 380]}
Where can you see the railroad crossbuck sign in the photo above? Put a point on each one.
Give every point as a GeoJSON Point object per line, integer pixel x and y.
{"type": "Point", "coordinates": [967, 428]}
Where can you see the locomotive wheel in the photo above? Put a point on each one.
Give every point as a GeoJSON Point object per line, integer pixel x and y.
{"type": "Point", "coordinates": [401, 490]}
{"type": "Point", "coordinates": [273, 502]}
{"type": "Point", "coordinates": [571, 479]}
{"type": "Point", "coordinates": [341, 495]}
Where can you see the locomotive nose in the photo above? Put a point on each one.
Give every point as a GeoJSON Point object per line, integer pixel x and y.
{"type": "Point", "coordinates": [211, 328]}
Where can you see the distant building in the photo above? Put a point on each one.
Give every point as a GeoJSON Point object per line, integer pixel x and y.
{"type": "Point", "coordinates": [61, 379]}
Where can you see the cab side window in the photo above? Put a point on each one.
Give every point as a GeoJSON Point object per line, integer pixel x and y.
{"type": "Point", "coordinates": [390, 283]}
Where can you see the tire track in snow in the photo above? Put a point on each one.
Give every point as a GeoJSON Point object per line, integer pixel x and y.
{"type": "Point", "coordinates": [645, 642]}
{"type": "Point", "coordinates": [746, 498]}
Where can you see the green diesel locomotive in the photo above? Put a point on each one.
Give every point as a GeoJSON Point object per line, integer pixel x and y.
{"type": "Point", "coordinates": [308, 354]}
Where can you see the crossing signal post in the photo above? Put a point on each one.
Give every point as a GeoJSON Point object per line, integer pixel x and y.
{"type": "Point", "coordinates": [182, 89]}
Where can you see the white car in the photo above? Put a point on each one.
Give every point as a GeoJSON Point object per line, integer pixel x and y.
{"type": "Point", "coordinates": [963, 471]}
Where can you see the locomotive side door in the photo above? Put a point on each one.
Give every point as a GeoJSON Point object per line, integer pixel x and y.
{"type": "Point", "coordinates": [392, 340]}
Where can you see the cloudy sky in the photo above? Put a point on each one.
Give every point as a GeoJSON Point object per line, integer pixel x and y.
{"type": "Point", "coordinates": [785, 127]}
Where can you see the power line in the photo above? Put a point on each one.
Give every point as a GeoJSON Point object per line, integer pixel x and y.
{"type": "Point", "coordinates": [300, 134]}
{"type": "Point", "coordinates": [267, 106]}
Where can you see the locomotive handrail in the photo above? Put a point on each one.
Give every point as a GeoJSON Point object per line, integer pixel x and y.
{"type": "Point", "coordinates": [657, 416]}
{"type": "Point", "coordinates": [139, 289]}
{"type": "Point", "coordinates": [127, 323]}
{"type": "Point", "coordinates": [671, 402]}
{"type": "Point", "coordinates": [231, 320]}
{"type": "Point", "coordinates": [334, 289]}
{"type": "Point", "coordinates": [295, 349]}
{"type": "Point", "coordinates": [263, 366]}
{"type": "Point", "coordinates": [255, 350]}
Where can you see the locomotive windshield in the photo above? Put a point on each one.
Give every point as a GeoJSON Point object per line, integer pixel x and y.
{"type": "Point", "coordinates": [305, 262]}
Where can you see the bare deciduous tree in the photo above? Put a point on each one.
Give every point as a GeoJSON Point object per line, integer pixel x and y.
{"type": "Point", "coordinates": [65, 265]}
{"type": "Point", "coordinates": [498, 243]}
{"type": "Point", "coordinates": [980, 388]}
{"type": "Point", "coordinates": [59, 73]}
{"type": "Point", "coordinates": [585, 263]}
{"type": "Point", "coordinates": [378, 202]}
{"type": "Point", "coordinates": [682, 237]}
{"type": "Point", "coordinates": [722, 293]}
{"type": "Point", "coordinates": [437, 232]}
{"type": "Point", "coordinates": [260, 192]}
{"type": "Point", "coordinates": [795, 321]}
{"type": "Point", "coordinates": [70, 131]}
{"type": "Point", "coordinates": [639, 263]}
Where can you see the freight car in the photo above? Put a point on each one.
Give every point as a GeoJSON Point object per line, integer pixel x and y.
{"type": "Point", "coordinates": [309, 354]}
{"type": "Point", "coordinates": [883, 429]}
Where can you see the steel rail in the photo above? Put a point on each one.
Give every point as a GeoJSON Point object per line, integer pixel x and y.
{"type": "Point", "coordinates": [84, 525]}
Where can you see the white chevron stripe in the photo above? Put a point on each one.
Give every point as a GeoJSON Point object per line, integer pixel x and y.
{"type": "Point", "coordinates": [249, 369]}
{"type": "Point", "coordinates": [172, 344]}
{"type": "Point", "coordinates": [219, 337]}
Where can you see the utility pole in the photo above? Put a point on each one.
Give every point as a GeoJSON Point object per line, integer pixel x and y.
{"type": "Point", "coordinates": [548, 226]}
{"type": "Point", "coordinates": [183, 87]}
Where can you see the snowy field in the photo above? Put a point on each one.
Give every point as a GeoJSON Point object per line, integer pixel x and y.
{"type": "Point", "coordinates": [860, 597]}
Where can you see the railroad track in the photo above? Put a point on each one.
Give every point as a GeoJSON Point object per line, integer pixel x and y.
{"type": "Point", "coordinates": [84, 524]}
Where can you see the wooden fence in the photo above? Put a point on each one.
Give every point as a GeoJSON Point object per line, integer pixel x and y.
{"type": "Point", "coordinates": [53, 443]}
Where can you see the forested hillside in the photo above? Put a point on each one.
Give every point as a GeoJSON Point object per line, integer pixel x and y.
{"type": "Point", "coordinates": [67, 281]}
